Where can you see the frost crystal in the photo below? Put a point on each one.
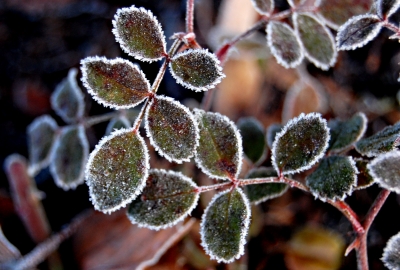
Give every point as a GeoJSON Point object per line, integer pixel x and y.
{"type": "Point", "coordinates": [172, 129]}
{"type": "Point", "coordinates": [391, 253]}
{"type": "Point", "coordinates": [386, 171]}
{"type": "Point", "coordinates": [167, 199]}
{"type": "Point", "coordinates": [284, 44]}
{"type": "Point", "coordinates": [198, 70]}
{"type": "Point", "coordinates": [116, 83]}
{"type": "Point", "coordinates": [139, 34]}
{"type": "Point", "coordinates": [358, 31]}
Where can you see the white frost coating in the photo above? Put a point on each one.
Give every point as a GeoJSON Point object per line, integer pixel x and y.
{"type": "Point", "coordinates": [123, 45]}
{"type": "Point", "coordinates": [239, 155]}
{"type": "Point", "coordinates": [391, 253]}
{"type": "Point", "coordinates": [242, 235]}
{"type": "Point", "coordinates": [85, 146]}
{"type": "Point", "coordinates": [293, 4]}
{"type": "Point", "coordinates": [383, 182]}
{"type": "Point", "coordinates": [395, 6]}
{"type": "Point", "coordinates": [285, 129]}
{"type": "Point", "coordinates": [182, 177]}
{"type": "Point", "coordinates": [76, 91]}
{"type": "Point", "coordinates": [364, 125]}
{"type": "Point", "coordinates": [35, 166]}
{"type": "Point", "coordinates": [348, 27]}
{"type": "Point", "coordinates": [260, 10]}
{"type": "Point", "coordinates": [314, 60]}
{"type": "Point", "coordinates": [110, 127]}
{"type": "Point", "coordinates": [275, 50]}
{"type": "Point", "coordinates": [211, 56]}
{"type": "Point", "coordinates": [98, 147]}
{"type": "Point", "coordinates": [110, 62]}
{"type": "Point", "coordinates": [150, 135]}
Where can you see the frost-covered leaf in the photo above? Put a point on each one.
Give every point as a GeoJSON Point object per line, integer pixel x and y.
{"type": "Point", "coordinates": [41, 138]}
{"type": "Point", "coordinates": [198, 70]}
{"type": "Point", "coordinates": [358, 31]}
{"type": "Point", "coordinates": [167, 198]}
{"type": "Point", "coordinates": [114, 83]}
{"type": "Point", "coordinates": [284, 44]}
{"type": "Point", "coordinates": [364, 179]}
{"type": "Point", "coordinates": [335, 177]}
{"type": "Point", "coordinates": [219, 153]}
{"type": "Point", "coordinates": [172, 129]}
{"type": "Point", "coordinates": [391, 253]}
{"type": "Point", "coordinates": [318, 43]}
{"type": "Point", "coordinates": [68, 100]}
{"type": "Point", "coordinates": [69, 157]}
{"type": "Point", "coordinates": [301, 143]}
{"type": "Point", "coordinates": [139, 33]}
{"type": "Point", "coordinates": [119, 122]}
{"type": "Point", "coordinates": [117, 170]}
{"type": "Point", "coordinates": [384, 141]}
{"type": "Point", "coordinates": [264, 7]}
{"type": "Point", "coordinates": [295, 3]}
{"type": "Point", "coordinates": [346, 133]}
{"type": "Point", "coordinates": [262, 192]}
{"type": "Point", "coordinates": [385, 8]}
{"type": "Point", "coordinates": [272, 130]}
{"type": "Point", "coordinates": [224, 226]}
{"type": "Point", "coordinates": [337, 12]}
{"type": "Point", "coordinates": [385, 170]}
{"type": "Point", "coordinates": [253, 138]}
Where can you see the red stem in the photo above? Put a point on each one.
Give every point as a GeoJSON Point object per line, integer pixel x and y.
{"type": "Point", "coordinates": [189, 16]}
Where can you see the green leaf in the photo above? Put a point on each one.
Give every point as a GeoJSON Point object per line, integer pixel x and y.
{"type": "Point", "coordinates": [262, 192]}
{"type": "Point", "coordinates": [224, 226]}
{"type": "Point", "coordinates": [117, 170]}
{"type": "Point", "coordinates": [318, 43]}
{"type": "Point", "coordinates": [139, 33]}
{"type": "Point", "coordinates": [337, 12]}
{"type": "Point", "coordinates": [198, 70]}
{"type": "Point", "coordinates": [272, 130]}
{"type": "Point", "coordinates": [253, 139]}
{"type": "Point", "coordinates": [284, 44]}
{"type": "Point", "coordinates": [345, 133]}
{"type": "Point", "coordinates": [391, 254]}
{"type": "Point", "coordinates": [385, 170]}
{"type": "Point", "coordinates": [68, 100]}
{"type": "Point", "coordinates": [119, 122]}
{"type": "Point", "coordinates": [114, 83]}
{"type": "Point", "coordinates": [69, 157]}
{"type": "Point", "coordinates": [335, 177]}
{"type": "Point", "coordinates": [358, 31]}
{"type": "Point", "coordinates": [301, 143]}
{"type": "Point", "coordinates": [264, 7]}
{"type": "Point", "coordinates": [172, 129]}
{"type": "Point", "coordinates": [167, 198]}
{"type": "Point", "coordinates": [364, 179]}
{"type": "Point", "coordinates": [219, 154]}
{"type": "Point", "coordinates": [386, 8]}
{"type": "Point", "coordinates": [384, 141]}
{"type": "Point", "coordinates": [41, 138]}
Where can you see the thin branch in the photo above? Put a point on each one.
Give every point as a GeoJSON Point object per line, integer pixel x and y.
{"type": "Point", "coordinates": [94, 120]}
{"type": "Point", "coordinates": [213, 187]}
{"type": "Point", "coordinates": [189, 16]}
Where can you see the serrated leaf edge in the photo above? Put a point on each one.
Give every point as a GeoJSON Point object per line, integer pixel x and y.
{"type": "Point", "coordinates": [123, 45]}
{"type": "Point", "coordinates": [274, 51]}
{"type": "Point", "coordinates": [85, 145]}
{"type": "Point", "coordinates": [392, 10]}
{"type": "Point", "coordinates": [371, 36]}
{"type": "Point", "coordinates": [315, 61]}
{"type": "Point", "coordinates": [71, 78]}
{"type": "Point", "coordinates": [379, 159]}
{"type": "Point", "coordinates": [260, 11]}
{"type": "Point", "coordinates": [34, 168]}
{"type": "Point", "coordinates": [389, 248]}
{"type": "Point", "coordinates": [242, 236]}
{"type": "Point", "coordinates": [289, 124]}
{"type": "Point", "coordinates": [189, 86]}
{"type": "Point", "coordinates": [150, 134]}
{"type": "Point", "coordinates": [239, 156]}
{"type": "Point", "coordinates": [111, 62]}
{"type": "Point", "coordinates": [140, 187]}
{"type": "Point", "coordinates": [183, 216]}
{"type": "Point", "coordinates": [346, 193]}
